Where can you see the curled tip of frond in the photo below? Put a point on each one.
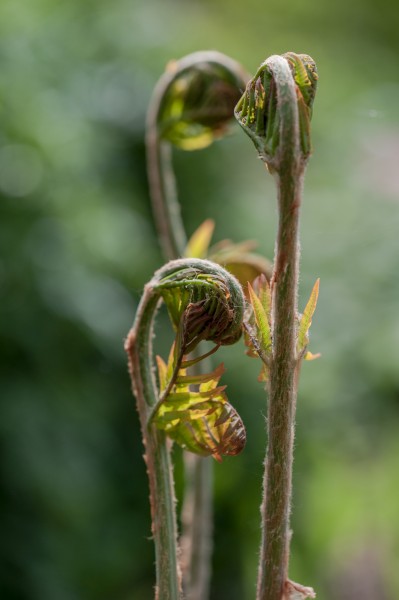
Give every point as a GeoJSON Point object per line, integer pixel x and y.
{"type": "Point", "coordinates": [205, 302]}
{"type": "Point", "coordinates": [262, 108]}
{"type": "Point", "coordinates": [198, 95]}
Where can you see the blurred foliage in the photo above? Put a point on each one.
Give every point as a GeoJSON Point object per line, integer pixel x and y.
{"type": "Point", "coordinates": [77, 244]}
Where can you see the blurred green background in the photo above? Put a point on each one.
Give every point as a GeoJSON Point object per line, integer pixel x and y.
{"type": "Point", "coordinates": [77, 244]}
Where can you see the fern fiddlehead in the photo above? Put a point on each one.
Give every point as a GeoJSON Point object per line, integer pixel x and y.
{"type": "Point", "coordinates": [275, 112]}
{"type": "Point", "coordinates": [192, 105]}
{"type": "Point", "coordinates": [205, 303]}
{"type": "Point", "coordinates": [276, 108]}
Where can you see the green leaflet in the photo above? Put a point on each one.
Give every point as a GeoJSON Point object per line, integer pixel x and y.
{"type": "Point", "coordinates": [310, 356]}
{"type": "Point", "coordinates": [257, 335]}
{"type": "Point", "coordinates": [305, 75]}
{"type": "Point", "coordinates": [306, 321]}
{"type": "Point", "coordinates": [261, 308]}
{"type": "Point", "coordinates": [195, 412]}
{"type": "Point", "coordinates": [264, 294]}
{"type": "Point", "coordinates": [198, 244]}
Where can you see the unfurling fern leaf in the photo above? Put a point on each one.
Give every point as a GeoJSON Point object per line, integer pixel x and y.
{"type": "Point", "coordinates": [258, 337]}
{"type": "Point", "coordinates": [205, 303]}
{"type": "Point", "coordinates": [195, 412]}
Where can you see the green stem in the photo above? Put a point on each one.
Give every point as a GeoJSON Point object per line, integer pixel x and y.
{"type": "Point", "coordinates": [289, 167]}
{"type": "Point", "coordinates": [166, 209]}
{"type": "Point", "coordinates": [273, 571]}
{"type": "Point", "coordinates": [275, 113]}
{"type": "Point", "coordinates": [185, 287]}
{"type": "Point", "coordinates": [157, 455]}
{"type": "Point", "coordinates": [212, 117]}
{"type": "Point", "coordinates": [197, 506]}
{"type": "Point", "coordinates": [173, 240]}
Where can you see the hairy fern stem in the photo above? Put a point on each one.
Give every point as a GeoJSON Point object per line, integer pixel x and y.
{"type": "Point", "coordinates": [157, 453]}
{"type": "Point", "coordinates": [275, 112]}
{"type": "Point", "coordinates": [205, 303]}
{"type": "Point", "coordinates": [196, 70]}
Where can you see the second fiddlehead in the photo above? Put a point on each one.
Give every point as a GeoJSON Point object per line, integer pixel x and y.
{"type": "Point", "coordinates": [205, 303]}
{"type": "Point", "coordinates": [191, 106]}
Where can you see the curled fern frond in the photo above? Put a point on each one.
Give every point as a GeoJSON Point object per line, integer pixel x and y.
{"type": "Point", "coordinates": [205, 303]}
{"type": "Point", "coordinates": [265, 111]}
{"type": "Point", "coordinates": [198, 98]}
{"type": "Point", "coordinates": [191, 107]}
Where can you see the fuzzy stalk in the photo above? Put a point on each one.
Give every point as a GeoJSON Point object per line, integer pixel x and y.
{"type": "Point", "coordinates": [288, 166]}
{"type": "Point", "coordinates": [205, 303]}
{"type": "Point", "coordinates": [196, 539]}
{"type": "Point", "coordinates": [274, 558]}
{"type": "Point", "coordinates": [166, 209]}
{"type": "Point", "coordinates": [157, 453]}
